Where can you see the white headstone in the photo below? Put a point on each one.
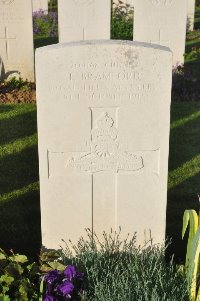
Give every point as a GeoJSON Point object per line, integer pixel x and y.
{"type": "Point", "coordinates": [190, 14]}
{"type": "Point", "coordinates": [162, 22]}
{"type": "Point", "coordinates": [16, 38]}
{"type": "Point", "coordinates": [103, 125]}
{"type": "Point", "coordinates": [122, 2]}
{"type": "Point", "coordinates": [40, 5]}
{"type": "Point", "coordinates": [84, 20]}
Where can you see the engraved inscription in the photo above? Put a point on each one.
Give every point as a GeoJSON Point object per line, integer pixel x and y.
{"type": "Point", "coordinates": [106, 154]}
{"type": "Point", "coordinates": [10, 14]}
{"type": "Point", "coordinates": [162, 2]}
{"type": "Point", "coordinates": [83, 82]}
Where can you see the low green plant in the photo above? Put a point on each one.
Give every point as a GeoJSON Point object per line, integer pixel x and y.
{"type": "Point", "coordinates": [18, 278]}
{"type": "Point", "coordinates": [118, 270]}
{"type": "Point", "coordinates": [122, 21]}
{"type": "Point", "coordinates": [192, 268]}
{"type": "Point", "coordinates": [193, 35]}
{"type": "Point", "coordinates": [19, 83]}
{"type": "Point", "coordinates": [53, 5]}
{"type": "Point", "coordinates": [194, 55]}
{"type": "Point", "coordinates": [44, 24]}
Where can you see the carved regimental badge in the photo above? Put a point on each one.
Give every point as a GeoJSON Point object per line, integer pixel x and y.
{"type": "Point", "coordinates": [106, 153]}
{"type": "Point", "coordinates": [162, 2]}
{"type": "Point", "coordinates": [6, 1]}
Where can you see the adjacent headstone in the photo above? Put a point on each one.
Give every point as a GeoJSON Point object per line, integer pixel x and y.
{"type": "Point", "coordinates": [84, 20]}
{"type": "Point", "coordinates": [103, 124]}
{"type": "Point", "coordinates": [16, 38]}
{"type": "Point", "coordinates": [129, 2]}
{"type": "Point", "coordinates": [190, 14]}
{"type": "Point", "coordinates": [162, 22]}
{"type": "Point", "coordinates": [40, 5]}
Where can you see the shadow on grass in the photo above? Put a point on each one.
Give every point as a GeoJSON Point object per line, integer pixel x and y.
{"type": "Point", "coordinates": [19, 176]}
{"type": "Point", "coordinates": [184, 110]}
{"type": "Point", "coordinates": [17, 126]}
{"type": "Point", "coordinates": [197, 18]}
{"type": "Point", "coordinates": [20, 224]}
{"type": "Point", "coordinates": [184, 139]}
{"type": "Point", "coordinates": [19, 170]}
{"type": "Point", "coordinates": [192, 44]}
{"type": "Point", "coordinates": [184, 172]}
{"type": "Point", "coordinates": [6, 108]}
{"type": "Point", "coordinates": [44, 41]}
{"type": "Point", "coordinates": [179, 199]}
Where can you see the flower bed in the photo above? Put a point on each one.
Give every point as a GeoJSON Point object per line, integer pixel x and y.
{"type": "Point", "coordinates": [110, 270]}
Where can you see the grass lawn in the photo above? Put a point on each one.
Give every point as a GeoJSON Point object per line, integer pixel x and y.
{"type": "Point", "coordinates": [184, 159]}
{"type": "Point", "coordinates": [19, 180]}
{"type": "Point", "coordinates": [19, 186]}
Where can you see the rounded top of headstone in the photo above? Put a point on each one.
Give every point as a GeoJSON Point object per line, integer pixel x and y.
{"type": "Point", "coordinates": [6, 1]}
{"type": "Point", "coordinates": [162, 2]}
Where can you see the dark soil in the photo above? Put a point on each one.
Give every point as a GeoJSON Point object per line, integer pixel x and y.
{"type": "Point", "coordinates": [11, 94]}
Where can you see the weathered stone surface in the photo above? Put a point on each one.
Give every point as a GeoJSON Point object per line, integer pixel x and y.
{"type": "Point", "coordinates": [40, 5]}
{"type": "Point", "coordinates": [16, 38]}
{"type": "Point", "coordinates": [84, 20]}
{"type": "Point", "coordinates": [162, 22]}
{"type": "Point", "coordinates": [190, 14]}
{"type": "Point", "coordinates": [103, 125]}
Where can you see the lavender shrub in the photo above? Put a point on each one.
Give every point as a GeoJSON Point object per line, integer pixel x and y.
{"type": "Point", "coordinates": [185, 85]}
{"type": "Point", "coordinates": [45, 24]}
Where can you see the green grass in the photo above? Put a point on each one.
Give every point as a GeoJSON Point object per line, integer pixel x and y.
{"type": "Point", "coordinates": [19, 186]}
{"type": "Point", "coordinates": [44, 41]}
{"type": "Point", "coordinates": [184, 168]}
{"type": "Point", "coordinates": [194, 65]}
{"type": "Point", "coordinates": [197, 18]}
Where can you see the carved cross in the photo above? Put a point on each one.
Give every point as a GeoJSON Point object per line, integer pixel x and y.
{"type": "Point", "coordinates": [160, 41]}
{"type": "Point", "coordinates": [6, 39]}
{"type": "Point", "coordinates": [106, 154]}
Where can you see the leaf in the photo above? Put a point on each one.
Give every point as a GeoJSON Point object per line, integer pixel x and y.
{"type": "Point", "coordinates": [3, 290]}
{"type": "Point", "coordinates": [33, 268]}
{"type": "Point", "coordinates": [2, 251]}
{"type": "Point", "coordinates": [198, 295]}
{"type": "Point", "coordinates": [41, 289]}
{"type": "Point", "coordinates": [185, 222]}
{"type": "Point", "coordinates": [190, 217]}
{"type": "Point", "coordinates": [14, 270]}
{"type": "Point", "coordinates": [23, 292]}
{"type": "Point", "coordinates": [193, 265]}
{"type": "Point", "coordinates": [49, 256]}
{"type": "Point", "coordinates": [57, 266]}
{"type": "Point", "coordinates": [5, 298]}
{"type": "Point", "coordinates": [52, 266]}
{"type": "Point", "coordinates": [6, 279]}
{"type": "Point", "coordinates": [2, 256]}
{"type": "Point", "coordinates": [18, 258]}
{"type": "Point", "coordinates": [45, 268]}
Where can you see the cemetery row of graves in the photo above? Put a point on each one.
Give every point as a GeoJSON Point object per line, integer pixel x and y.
{"type": "Point", "coordinates": [109, 267]}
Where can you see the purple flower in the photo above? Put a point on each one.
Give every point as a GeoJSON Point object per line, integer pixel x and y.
{"type": "Point", "coordinates": [71, 273]}
{"type": "Point", "coordinates": [50, 278]}
{"type": "Point", "coordinates": [49, 298]}
{"type": "Point", "coordinates": [65, 289]}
